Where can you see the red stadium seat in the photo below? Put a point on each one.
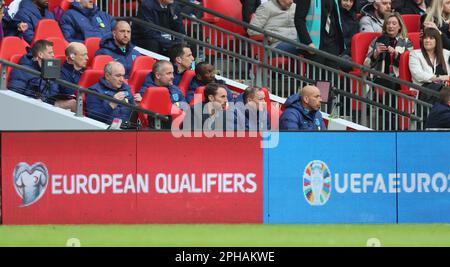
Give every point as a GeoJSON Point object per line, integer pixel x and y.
{"type": "Point", "coordinates": [233, 9]}
{"type": "Point", "coordinates": [186, 80]}
{"type": "Point", "coordinates": [47, 28]}
{"type": "Point", "coordinates": [403, 68]}
{"type": "Point", "coordinates": [157, 99]}
{"type": "Point", "coordinates": [99, 62]}
{"type": "Point", "coordinates": [404, 104]}
{"type": "Point", "coordinates": [360, 45]}
{"type": "Point", "coordinates": [12, 45]}
{"type": "Point", "coordinates": [92, 44]}
{"type": "Point", "coordinates": [90, 77]}
{"type": "Point", "coordinates": [59, 45]}
{"type": "Point", "coordinates": [15, 59]}
{"type": "Point", "coordinates": [142, 63]}
{"type": "Point", "coordinates": [415, 39]}
{"type": "Point", "coordinates": [52, 4]}
{"type": "Point", "coordinates": [195, 100]}
{"type": "Point", "coordinates": [65, 4]}
{"type": "Point", "coordinates": [137, 79]}
{"type": "Point", "coordinates": [412, 22]}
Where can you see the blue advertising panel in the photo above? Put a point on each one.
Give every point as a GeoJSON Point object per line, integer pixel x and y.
{"type": "Point", "coordinates": [331, 177]}
{"type": "Point", "coordinates": [424, 174]}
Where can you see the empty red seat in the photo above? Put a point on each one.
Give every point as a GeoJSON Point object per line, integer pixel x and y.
{"type": "Point", "coordinates": [157, 99]}
{"type": "Point", "coordinates": [414, 37]}
{"type": "Point", "coordinates": [12, 45]}
{"type": "Point", "coordinates": [186, 80]}
{"type": "Point", "coordinates": [59, 45]}
{"type": "Point", "coordinates": [90, 77]}
{"type": "Point", "coordinates": [142, 63]}
{"type": "Point", "coordinates": [47, 28]}
{"type": "Point", "coordinates": [412, 22]}
{"type": "Point", "coordinates": [99, 62]}
{"type": "Point", "coordinates": [15, 59]}
{"type": "Point", "coordinates": [197, 99]}
{"type": "Point", "coordinates": [92, 44]}
{"type": "Point", "coordinates": [137, 79]}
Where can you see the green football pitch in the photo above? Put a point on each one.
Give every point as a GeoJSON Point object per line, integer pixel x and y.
{"type": "Point", "coordinates": [220, 235]}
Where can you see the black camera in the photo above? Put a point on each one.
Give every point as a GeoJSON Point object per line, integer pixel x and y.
{"type": "Point", "coordinates": [386, 40]}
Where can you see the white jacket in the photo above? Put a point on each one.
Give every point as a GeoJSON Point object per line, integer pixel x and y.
{"type": "Point", "coordinates": [421, 72]}
{"type": "Point", "coordinates": [270, 17]}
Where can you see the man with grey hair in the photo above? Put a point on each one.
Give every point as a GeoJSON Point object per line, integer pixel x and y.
{"type": "Point", "coordinates": [374, 14]}
{"type": "Point", "coordinates": [303, 111]}
{"type": "Point", "coordinates": [73, 68]}
{"type": "Point", "coordinates": [113, 85]}
{"type": "Point", "coordinates": [162, 76]}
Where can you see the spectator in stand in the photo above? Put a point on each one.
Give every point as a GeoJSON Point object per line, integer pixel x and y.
{"type": "Point", "coordinates": [438, 16]}
{"type": "Point", "coordinates": [204, 75]}
{"type": "Point", "coordinates": [374, 15]}
{"type": "Point", "coordinates": [84, 20]}
{"type": "Point", "coordinates": [34, 86]}
{"type": "Point", "coordinates": [119, 47]}
{"type": "Point", "coordinates": [181, 57]}
{"type": "Point", "coordinates": [429, 65]}
{"type": "Point", "coordinates": [319, 26]}
{"type": "Point", "coordinates": [384, 52]}
{"type": "Point", "coordinates": [249, 7]}
{"type": "Point", "coordinates": [440, 113]}
{"type": "Point", "coordinates": [302, 111]}
{"type": "Point", "coordinates": [30, 12]}
{"type": "Point", "coordinates": [163, 13]}
{"type": "Point", "coordinates": [251, 103]}
{"type": "Point", "coordinates": [277, 16]}
{"type": "Point", "coordinates": [350, 23]}
{"type": "Point", "coordinates": [418, 7]}
{"type": "Point", "coordinates": [7, 14]}
{"type": "Point", "coordinates": [74, 66]}
{"type": "Point", "coordinates": [113, 85]}
{"type": "Point", "coordinates": [162, 76]}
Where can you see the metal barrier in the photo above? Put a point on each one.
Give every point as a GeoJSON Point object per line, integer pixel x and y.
{"type": "Point", "coordinates": [234, 57]}
{"type": "Point", "coordinates": [80, 91]}
{"type": "Point", "coordinates": [390, 115]}
{"type": "Point", "coordinates": [371, 108]}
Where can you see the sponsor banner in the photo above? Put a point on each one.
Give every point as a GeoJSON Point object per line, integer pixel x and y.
{"type": "Point", "coordinates": [119, 177]}
{"type": "Point", "coordinates": [424, 176]}
{"type": "Point", "coordinates": [331, 178]}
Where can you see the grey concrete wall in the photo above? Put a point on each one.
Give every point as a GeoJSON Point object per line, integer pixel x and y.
{"type": "Point", "coordinates": [21, 113]}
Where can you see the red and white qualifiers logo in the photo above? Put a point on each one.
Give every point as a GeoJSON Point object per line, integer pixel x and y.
{"type": "Point", "coordinates": [30, 182]}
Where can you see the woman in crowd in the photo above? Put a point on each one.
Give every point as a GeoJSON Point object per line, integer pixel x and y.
{"type": "Point", "coordinates": [429, 65]}
{"type": "Point", "coordinates": [384, 52]}
{"type": "Point", "coordinates": [437, 17]}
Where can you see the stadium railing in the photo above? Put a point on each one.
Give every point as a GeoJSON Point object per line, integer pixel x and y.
{"type": "Point", "coordinates": [374, 107]}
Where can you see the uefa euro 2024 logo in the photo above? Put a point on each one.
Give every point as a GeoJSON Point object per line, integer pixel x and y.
{"type": "Point", "coordinates": [30, 182]}
{"type": "Point", "coordinates": [317, 183]}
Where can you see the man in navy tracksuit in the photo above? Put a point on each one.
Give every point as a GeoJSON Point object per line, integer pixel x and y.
{"type": "Point", "coordinates": [302, 111]}
{"type": "Point", "coordinates": [440, 113]}
{"type": "Point", "coordinates": [252, 106]}
{"type": "Point", "coordinates": [84, 20]}
{"type": "Point", "coordinates": [162, 76]}
{"type": "Point", "coordinates": [119, 47]}
{"type": "Point", "coordinates": [204, 75]}
{"type": "Point", "coordinates": [73, 68]}
{"type": "Point", "coordinates": [31, 85]}
{"type": "Point", "coordinates": [163, 13]}
{"type": "Point", "coordinates": [112, 84]}
{"type": "Point", "coordinates": [181, 57]}
{"type": "Point", "coordinates": [30, 12]}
